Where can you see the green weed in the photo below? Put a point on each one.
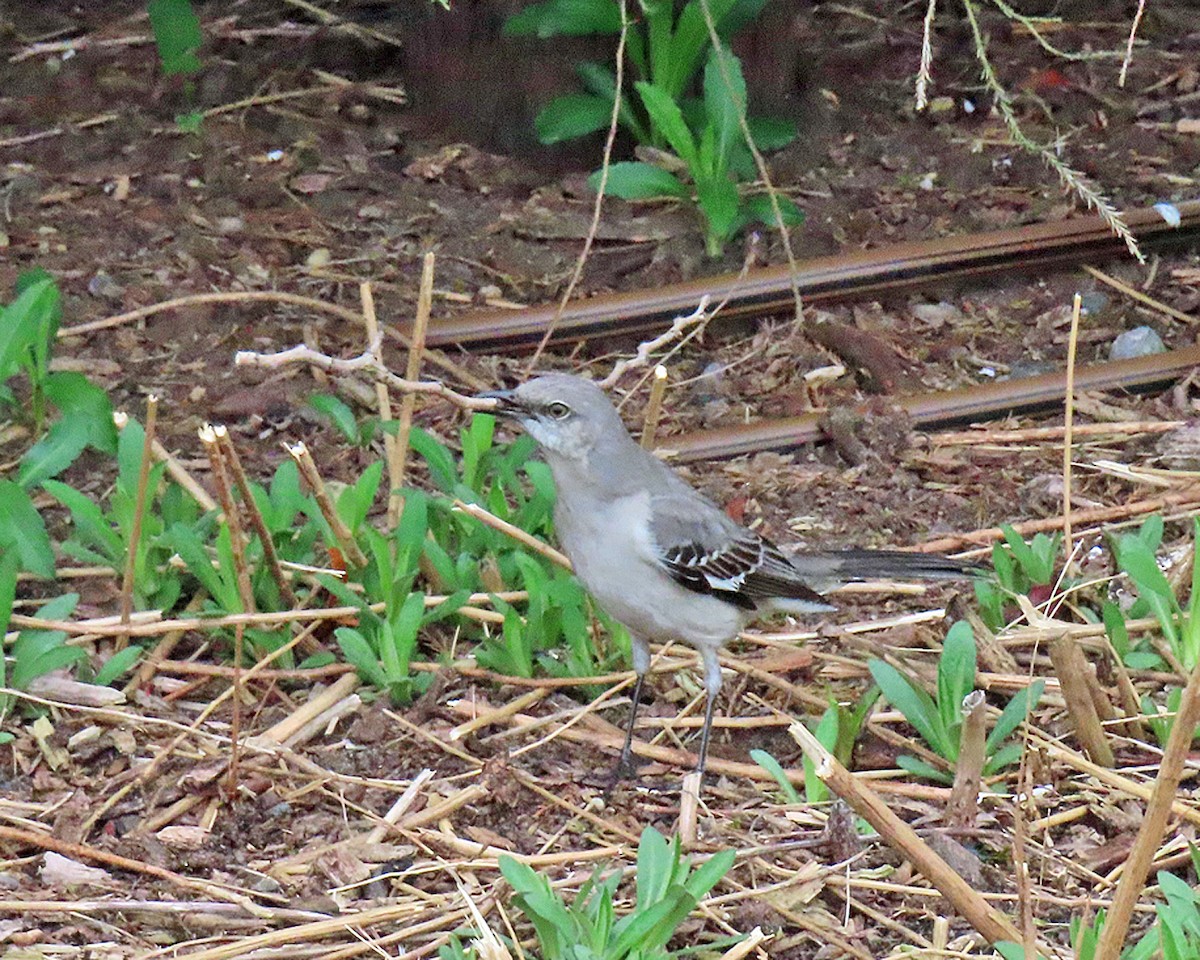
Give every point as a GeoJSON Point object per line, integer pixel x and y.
{"type": "Point", "coordinates": [668, 889]}
{"type": "Point", "coordinates": [939, 722]}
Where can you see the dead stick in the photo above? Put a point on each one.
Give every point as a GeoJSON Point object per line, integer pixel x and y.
{"type": "Point", "coordinates": [308, 469]}
{"type": "Point", "coordinates": [79, 851]}
{"type": "Point", "coordinates": [968, 768]}
{"type": "Point", "coordinates": [139, 511]}
{"type": "Point", "coordinates": [1158, 811]}
{"type": "Point", "coordinates": [413, 367]}
{"type": "Point", "coordinates": [658, 387]}
{"type": "Point", "coordinates": [1072, 668]}
{"type": "Point", "coordinates": [992, 924]}
{"type": "Point", "coordinates": [1068, 423]}
{"type": "Point", "coordinates": [383, 400]}
{"type": "Point", "coordinates": [210, 437]}
{"type": "Point", "coordinates": [234, 462]}
{"type": "Point", "coordinates": [1188, 495]}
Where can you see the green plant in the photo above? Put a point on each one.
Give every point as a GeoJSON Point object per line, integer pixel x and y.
{"type": "Point", "coordinates": [359, 433]}
{"type": "Point", "coordinates": [939, 721]}
{"type": "Point", "coordinates": [668, 889]}
{"type": "Point", "coordinates": [28, 329]}
{"type": "Point", "coordinates": [34, 652]}
{"type": "Point", "coordinates": [837, 731]}
{"type": "Point", "coordinates": [178, 38]}
{"type": "Point", "coordinates": [1136, 555]}
{"type": "Point", "coordinates": [1020, 568]}
{"type": "Point", "coordinates": [103, 533]}
{"type": "Point", "coordinates": [1175, 934]}
{"type": "Point", "coordinates": [666, 50]}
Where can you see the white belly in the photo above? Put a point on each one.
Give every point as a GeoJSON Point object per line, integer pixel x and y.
{"type": "Point", "coordinates": [618, 565]}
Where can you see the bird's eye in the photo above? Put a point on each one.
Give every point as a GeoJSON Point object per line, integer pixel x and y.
{"type": "Point", "coordinates": [558, 410]}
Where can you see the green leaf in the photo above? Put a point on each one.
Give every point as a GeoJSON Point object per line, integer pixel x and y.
{"type": "Point", "coordinates": [634, 180]}
{"type": "Point", "coordinates": [668, 122]}
{"type": "Point", "coordinates": [920, 768]}
{"type": "Point", "coordinates": [708, 874]}
{"type": "Point", "coordinates": [758, 209]}
{"type": "Point", "coordinates": [571, 116]}
{"type": "Point", "coordinates": [22, 531]}
{"type": "Point", "coordinates": [956, 675]}
{"type": "Point", "coordinates": [718, 198]}
{"type": "Point", "coordinates": [177, 35]}
{"type": "Point", "coordinates": [1016, 710]}
{"type": "Point", "coordinates": [338, 412]}
{"type": "Point", "coordinates": [117, 665]}
{"type": "Point", "coordinates": [51, 455]}
{"type": "Point", "coordinates": [724, 101]}
{"type": "Point", "coordinates": [91, 525]}
{"type": "Point", "coordinates": [29, 667]}
{"type": "Point", "coordinates": [655, 865]}
{"type": "Point", "coordinates": [916, 705]}
{"type": "Point", "coordinates": [775, 769]}
{"type": "Point", "coordinates": [32, 315]}
{"type": "Point", "coordinates": [771, 133]}
{"type": "Point", "coordinates": [565, 18]}
{"type": "Point", "coordinates": [77, 398]}
{"type": "Point", "coordinates": [359, 653]}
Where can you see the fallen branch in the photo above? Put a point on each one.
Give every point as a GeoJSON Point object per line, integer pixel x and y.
{"type": "Point", "coordinates": [368, 362]}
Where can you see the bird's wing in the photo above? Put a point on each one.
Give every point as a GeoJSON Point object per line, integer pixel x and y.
{"type": "Point", "coordinates": [705, 551]}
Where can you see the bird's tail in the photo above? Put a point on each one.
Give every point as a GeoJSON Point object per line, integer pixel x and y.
{"type": "Point", "coordinates": [830, 568]}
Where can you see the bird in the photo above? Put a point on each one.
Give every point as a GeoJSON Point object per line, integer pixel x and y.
{"type": "Point", "coordinates": [660, 557]}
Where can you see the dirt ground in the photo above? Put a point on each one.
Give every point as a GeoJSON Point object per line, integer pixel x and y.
{"type": "Point", "coordinates": [295, 183]}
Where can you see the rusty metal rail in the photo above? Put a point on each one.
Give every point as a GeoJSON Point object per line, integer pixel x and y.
{"type": "Point", "coordinates": [929, 410]}
{"type": "Point", "coordinates": [821, 280]}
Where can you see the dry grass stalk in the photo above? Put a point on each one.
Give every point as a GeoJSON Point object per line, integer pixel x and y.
{"type": "Point", "coordinates": [490, 717]}
{"type": "Point", "coordinates": [1068, 423]}
{"type": "Point", "coordinates": [181, 476]}
{"type": "Point", "coordinates": [1158, 811]}
{"type": "Point", "coordinates": [139, 512]}
{"type": "Point", "coordinates": [383, 400]}
{"type": "Point", "coordinates": [1187, 496]}
{"type": "Point", "coordinates": [234, 462]}
{"type": "Point", "coordinates": [1142, 298]}
{"type": "Point", "coordinates": [1075, 679]}
{"type": "Point", "coordinates": [364, 362]}
{"type": "Point", "coordinates": [963, 807]}
{"type": "Point", "coordinates": [992, 924]}
{"type": "Point", "coordinates": [412, 368]}
{"type": "Point", "coordinates": [982, 436]}
{"type": "Point", "coordinates": [658, 388]}
{"type": "Point", "coordinates": [210, 437]}
{"type": "Point", "coordinates": [308, 469]}
{"type": "Point", "coordinates": [689, 807]}
{"type": "Point", "coordinates": [493, 521]}
{"type": "Point", "coordinates": [79, 851]}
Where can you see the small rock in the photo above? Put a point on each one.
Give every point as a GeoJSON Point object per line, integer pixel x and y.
{"type": "Point", "coordinates": [229, 225]}
{"type": "Point", "coordinates": [1180, 449]}
{"type": "Point", "coordinates": [105, 287]}
{"type": "Point", "coordinates": [371, 211]}
{"type": "Point", "coordinates": [1138, 342]}
{"type": "Point", "coordinates": [1093, 303]}
{"type": "Point", "coordinates": [318, 259]}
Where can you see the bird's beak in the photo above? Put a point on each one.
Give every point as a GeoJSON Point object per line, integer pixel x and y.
{"type": "Point", "coordinates": [506, 402]}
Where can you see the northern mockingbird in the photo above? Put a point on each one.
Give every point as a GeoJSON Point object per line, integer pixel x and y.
{"type": "Point", "coordinates": [661, 558]}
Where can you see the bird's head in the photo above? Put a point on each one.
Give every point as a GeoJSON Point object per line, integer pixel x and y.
{"type": "Point", "coordinates": [568, 416]}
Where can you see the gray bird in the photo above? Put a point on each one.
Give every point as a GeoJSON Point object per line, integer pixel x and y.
{"type": "Point", "coordinates": [663, 559]}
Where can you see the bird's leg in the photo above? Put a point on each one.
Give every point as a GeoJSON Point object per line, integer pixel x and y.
{"type": "Point", "coordinates": [641, 665]}
{"type": "Point", "coordinates": [712, 685]}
